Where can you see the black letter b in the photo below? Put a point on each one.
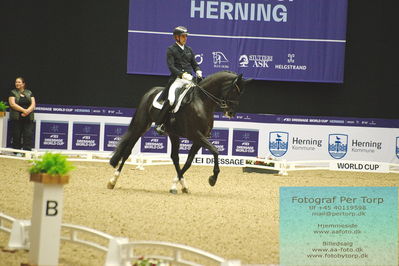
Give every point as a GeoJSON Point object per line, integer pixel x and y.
{"type": "Point", "coordinates": [51, 208]}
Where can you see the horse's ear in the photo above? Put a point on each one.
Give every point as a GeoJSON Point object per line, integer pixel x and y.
{"type": "Point", "coordinates": [237, 79]}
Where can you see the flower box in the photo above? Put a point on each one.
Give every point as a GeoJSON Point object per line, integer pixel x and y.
{"type": "Point", "coordinates": [258, 163]}
{"type": "Point", "coordinates": [49, 179]}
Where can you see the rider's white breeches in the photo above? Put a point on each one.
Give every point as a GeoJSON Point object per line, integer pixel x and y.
{"type": "Point", "coordinates": [178, 83]}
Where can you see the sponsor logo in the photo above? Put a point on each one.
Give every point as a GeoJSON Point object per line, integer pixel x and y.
{"type": "Point", "coordinates": [118, 131]}
{"type": "Point", "coordinates": [215, 134]}
{"type": "Point", "coordinates": [201, 160]}
{"type": "Point", "coordinates": [369, 146]}
{"type": "Point", "coordinates": [255, 60]}
{"type": "Point", "coordinates": [243, 61]}
{"type": "Point", "coordinates": [199, 58]}
{"type": "Point", "coordinates": [220, 60]}
{"type": "Point", "coordinates": [291, 58]}
{"type": "Point", "coordinates": [337, 145]}
{"type": "Point", "coordinates": [153, 133]}
{"type": "Point", "coordinates": [290, 64]}
{"type": "Point", "coordinates": [86, 129]}
{"type": "Point", "coordinates": [246, 136]}
{"type": "Point", "coordinates": [278, 143]}
{"type": "Point", "coordinates": [397, 147]}
{"type": "Point", "coordinates": [306, 144]}
{"type": "Point", "coordinates": [54, 128]}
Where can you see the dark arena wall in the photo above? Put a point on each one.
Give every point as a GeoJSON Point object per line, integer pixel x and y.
{"type": "Point", "coordinates": [74, 53]}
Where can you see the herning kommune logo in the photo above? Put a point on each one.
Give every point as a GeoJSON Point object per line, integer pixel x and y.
{"type": "Point", "coordinates": [337, 145]}
{"type": "Point", "coordinates": [278, 143]}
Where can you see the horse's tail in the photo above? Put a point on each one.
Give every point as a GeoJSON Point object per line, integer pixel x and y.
{"type": "Point", "coordinates": [138, 125]}
{"type": "Point", "coordinates": [125, 145]}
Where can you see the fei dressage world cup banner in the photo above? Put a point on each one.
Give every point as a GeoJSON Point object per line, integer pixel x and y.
{"type": "Point", "coordinates": [288, 40]}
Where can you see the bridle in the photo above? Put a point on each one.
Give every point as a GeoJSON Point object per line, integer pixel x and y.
{"type": "Point", "coordinates": [222, 103]}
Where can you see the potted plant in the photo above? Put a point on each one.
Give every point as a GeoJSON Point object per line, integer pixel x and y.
{"type": "Point", "coordinates": [52, 168]}
{"type": "Point", "coordinates": [3, 108]}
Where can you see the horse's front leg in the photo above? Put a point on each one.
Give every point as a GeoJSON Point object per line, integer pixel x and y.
{"type": "Point", "coordinates": [206, 144]}
{"type": "Point", "coordinates": [193, 151]}
{"type": "Point", "coordinates": [175, 158]}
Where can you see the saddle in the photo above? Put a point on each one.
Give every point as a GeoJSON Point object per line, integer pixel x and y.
{"type": "Point", "coordinates": [182, 98]}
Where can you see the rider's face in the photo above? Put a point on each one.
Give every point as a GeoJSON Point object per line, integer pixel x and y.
{"type": "Point", "coordinates": [182, 39]}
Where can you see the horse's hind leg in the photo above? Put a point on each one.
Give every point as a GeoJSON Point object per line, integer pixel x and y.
{"type": "Point", "coordinates": [112, 181]}
{"type": "Point", "coordinates": [138, 127]}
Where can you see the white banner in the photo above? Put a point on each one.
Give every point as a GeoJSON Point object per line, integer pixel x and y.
{"type": "Point", "coordinates": [246, 136]}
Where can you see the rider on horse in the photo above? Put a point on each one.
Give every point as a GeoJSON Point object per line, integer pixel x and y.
{"type": "Point", "coordinates": [181, 63]}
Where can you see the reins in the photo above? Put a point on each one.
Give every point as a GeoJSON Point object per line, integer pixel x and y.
{"type": "Point", "coordinates": [220, 102]}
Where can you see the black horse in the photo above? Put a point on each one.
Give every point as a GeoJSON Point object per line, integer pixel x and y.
{"type": "Point", "coordinates": [193, 121]}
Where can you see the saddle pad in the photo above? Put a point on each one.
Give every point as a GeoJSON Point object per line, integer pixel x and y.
{"type": "Point", "coordinates": [176, 107]}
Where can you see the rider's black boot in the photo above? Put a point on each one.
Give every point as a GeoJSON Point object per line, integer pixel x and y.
{"type": "Point", "coordinates": [160, 128]}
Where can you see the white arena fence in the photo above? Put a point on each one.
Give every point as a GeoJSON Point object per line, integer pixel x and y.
{"type": "Point", "coordinates": [119, 251]}
{"type": "Point", "coordinates": [282, 167]}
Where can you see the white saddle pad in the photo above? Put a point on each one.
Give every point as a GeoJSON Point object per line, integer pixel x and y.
{"type": "Point", "coordinates": [158, 105]}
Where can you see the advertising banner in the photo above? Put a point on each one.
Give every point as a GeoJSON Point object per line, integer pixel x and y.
{"type": "Point", "coordinates": [272, 40]}
{"type": "Point", "coordinates": [245, 142]}
{"type": "Point", "coordinates": [220, 139]}
{"type": "Point", "coordinates": [364, 143]}
{"type": "Point", "coordinates": [86, 136]}
{"type": "Point", "coordinates": [112, 134]}
{"type": "Point", "coordinates": [185, 145]}
{"type": "Point", "coordinates": [152, 142]}
{"type": "Point", "coordinates": [53, 135]}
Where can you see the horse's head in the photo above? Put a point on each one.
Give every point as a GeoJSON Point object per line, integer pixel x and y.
{"type": "Point", "coordinates": [224, 88]}
{"type": "Point", "coordinates": [232, 89]}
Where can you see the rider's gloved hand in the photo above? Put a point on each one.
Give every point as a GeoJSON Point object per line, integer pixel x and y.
{"type": "Point", "coordinates": [187, 76]}
{"type": "Point", "coordinates": [199, 74]}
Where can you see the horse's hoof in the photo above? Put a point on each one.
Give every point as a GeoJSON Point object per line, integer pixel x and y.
{"type": "Point", "coordinates": [185, 190]}
{"type": "Point", "coordinates": [212, 180]}
{"type": "Point", "coordinates": [110, 185]}
{"type": "Point", "coordinates": [173, 191]}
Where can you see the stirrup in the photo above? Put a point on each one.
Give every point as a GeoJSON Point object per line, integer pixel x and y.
{"type": "Point", "coordinates": [160, 129]}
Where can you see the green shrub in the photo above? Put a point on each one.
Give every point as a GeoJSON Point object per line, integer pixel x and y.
{"type": "Point", "coordinates": [3, 106]}
{"type": "Point", "coordinates": [51, 163]}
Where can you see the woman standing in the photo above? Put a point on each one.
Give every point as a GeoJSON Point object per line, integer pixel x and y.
{"type": "Point", "coordinates": [22, 103]}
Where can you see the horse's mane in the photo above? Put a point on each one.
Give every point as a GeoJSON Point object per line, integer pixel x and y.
{"type": "Point", "coordinates": [221, 72]}
{"type": "Point", "coordinates": [197, 92]}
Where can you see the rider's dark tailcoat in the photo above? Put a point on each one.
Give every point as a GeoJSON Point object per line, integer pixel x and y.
{"type": "Point", "coordinates": [180, 61]}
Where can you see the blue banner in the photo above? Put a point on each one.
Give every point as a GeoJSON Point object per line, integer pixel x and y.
{"type": "Point", "coordinates": [287, 40]}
